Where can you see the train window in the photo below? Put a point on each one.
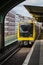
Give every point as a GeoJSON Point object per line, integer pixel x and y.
{"type": "Point", "coordinates": [26, 30]}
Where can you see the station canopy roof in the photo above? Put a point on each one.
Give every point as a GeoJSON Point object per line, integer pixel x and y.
{"type": "Point", "coordinates": [35, 7]}
{"type": "Point", "coordinates": [36, 11]}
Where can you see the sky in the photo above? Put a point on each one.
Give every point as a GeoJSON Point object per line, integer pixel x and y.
{"type": "Point", "coordinates": [20, 9]}
{"type": "Point", "coordinates": [33, 2]}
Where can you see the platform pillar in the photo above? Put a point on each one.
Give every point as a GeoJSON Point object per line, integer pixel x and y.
{"type": "Point", "coordinates": [1, 32]}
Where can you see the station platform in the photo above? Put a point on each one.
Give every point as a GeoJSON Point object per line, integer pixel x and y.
{"type": "Point", "coordinates": [35, 57]}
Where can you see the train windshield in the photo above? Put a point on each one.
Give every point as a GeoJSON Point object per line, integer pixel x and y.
{"type": "Point", "coordinates": [24, 27]}
{"type": "Point", "coordinates": [26, 30]}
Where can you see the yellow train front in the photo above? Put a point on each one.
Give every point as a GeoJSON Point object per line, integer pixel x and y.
{"type": "Point", "coordinates": [26, 33]}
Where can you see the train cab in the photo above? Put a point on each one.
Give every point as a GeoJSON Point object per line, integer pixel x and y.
{"type": "Point", "coordinates": [26, 32]}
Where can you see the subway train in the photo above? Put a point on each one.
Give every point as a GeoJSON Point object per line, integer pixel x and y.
{"type": "Point", "coordinates": [28, 32]}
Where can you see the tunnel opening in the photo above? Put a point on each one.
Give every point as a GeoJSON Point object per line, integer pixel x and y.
{"type": "Point", "coordinates": [11, 23]}
{"type": "Point", "coordinates": [10, 33]}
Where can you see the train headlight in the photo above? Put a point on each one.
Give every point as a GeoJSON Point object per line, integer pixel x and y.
{"type": "Point", "coordinates": [30, 42]}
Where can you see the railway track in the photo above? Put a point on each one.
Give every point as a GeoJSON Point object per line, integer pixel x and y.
{"type": "Point", "coordinates": [17, 58]}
